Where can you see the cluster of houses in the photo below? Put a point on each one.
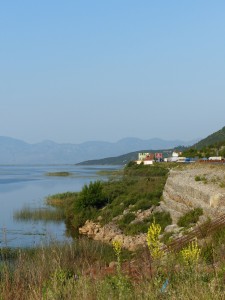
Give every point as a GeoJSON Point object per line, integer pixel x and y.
{"type": "Point", "coordinates": [150, 158]}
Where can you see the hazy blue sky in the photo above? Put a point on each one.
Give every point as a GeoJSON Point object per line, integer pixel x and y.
{"type": "Point", "coordinates": [72, 71]}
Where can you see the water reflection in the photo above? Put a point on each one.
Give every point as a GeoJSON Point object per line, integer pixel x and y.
{"type": "Point", "coordinates": [22, 186]}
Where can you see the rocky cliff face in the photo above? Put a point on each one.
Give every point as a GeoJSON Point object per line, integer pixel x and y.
{"type": "Point", "coordinates": [198, 185]}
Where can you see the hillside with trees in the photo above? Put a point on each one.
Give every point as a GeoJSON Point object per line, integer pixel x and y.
{"type": "Point", "coordinates": [213, 145]}
{"type": "Point", "coordinates": [215, 138]}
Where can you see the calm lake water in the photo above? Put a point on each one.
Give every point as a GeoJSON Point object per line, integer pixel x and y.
{"type": "Point", "coordinates": [22, 186]}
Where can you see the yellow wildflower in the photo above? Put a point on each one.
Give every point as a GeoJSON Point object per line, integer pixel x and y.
{"type": "Point", "coordinates": [117, 246]}
{"type": "Point", "coordinates": [191, 253]}
{"type": "Point", "coordinates": [153, 240]}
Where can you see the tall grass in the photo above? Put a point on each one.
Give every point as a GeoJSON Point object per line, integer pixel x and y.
{"type": "Point", "coordinates": [80, 271]}
{"type": "Point", "coordinates": [39, 214]}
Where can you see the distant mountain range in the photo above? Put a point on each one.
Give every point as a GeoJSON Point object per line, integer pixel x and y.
{"type": "Point", "coordinates": [216, 139]}
{"type": "Point", "coordinates": [14, 151]}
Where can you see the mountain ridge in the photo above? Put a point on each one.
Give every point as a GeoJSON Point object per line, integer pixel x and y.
{"type": "Point", "coordinates": [217, 139]}
{"type": "Point", "coordinates": [15, 151]}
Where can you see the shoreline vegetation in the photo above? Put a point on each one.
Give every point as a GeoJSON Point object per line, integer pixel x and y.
{"type": "Point", "coordinates": [61, 173]}
{"type": "Point", "coordinates": [87, 269]}
{"type": "Point", "coordinates": [39, 214]}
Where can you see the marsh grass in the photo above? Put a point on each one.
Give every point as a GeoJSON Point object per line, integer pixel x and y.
{"type": "Point", "coordinates": [39, 214]}
{"type": "Point", "coordinates": [61, 200]}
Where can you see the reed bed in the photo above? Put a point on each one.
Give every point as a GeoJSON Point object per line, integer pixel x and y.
{"type": "Point", "coordinates": [45, 214]}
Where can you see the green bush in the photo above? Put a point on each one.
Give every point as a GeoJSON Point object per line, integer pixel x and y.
{"type": "Point", "coordinates": [91, 196]}
{"type": "Point", "coordinates": [126, 219]}
{"type": "Point", "coordinates": [161, 218]}
{"type": "Point", "coordinates": [137, 228]}
{"type": "Point", "coordinates": [197, 178]}
{"type": "Point", "coordinates": [130, 201]}
{"type": "Point", "coordinates": [80, 218]}
{"type": "Point", "coordinates": [190, 217]}
{"type": "Point", "coordinates": [142, 204]}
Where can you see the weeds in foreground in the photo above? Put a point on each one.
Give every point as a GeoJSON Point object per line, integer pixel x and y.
{"type": "Point", "coordinates": [80, 271]}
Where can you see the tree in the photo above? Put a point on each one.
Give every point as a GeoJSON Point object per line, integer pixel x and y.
{"type": "Point", "coordinates": [91, 196]}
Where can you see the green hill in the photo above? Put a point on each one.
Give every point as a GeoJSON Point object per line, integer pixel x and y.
{"type": "Point", "coordinates": [217, 139]}
{"type": "Point", "coordinates": [212, 145]}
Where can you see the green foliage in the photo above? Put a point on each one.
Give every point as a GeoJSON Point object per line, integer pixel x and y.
{"type": "Point", "coordinates": [59, 174]}
{"type": "Point", "coordinates": [161, 218]}
{"type": "Point", "coordinates": [136, 228]}
{"type": "Point", "coordinates": [197, 178]}
{"type": "Point", "coordinates": [132, 163]}
{"type": "Point", "coordinates": [207, 253]}
{"type": "Point", "coordinates": [116, 287]}
{"type": "Point", "coordinates": [89, 200]}
{"type": "Point", "coordinates": [215, 139]}
{"type": "Point", "coordinates": [141, 187]}
{"type": "Point", "coordinates": [201, 178]}
{"type": "Point", "coordinates": [166, 237]}
{"type": "Point", "coordinates": [145, 170]}
{"type": "Point", "coordinates": [142, 204]}
{"type": "Point", "coordinates": [219, 237]}
{"type": "Point", "coordinates": [191, 217]}
{"type": "Point", "coordinates": [222, 184]}
{"type": "Point", "coordinates": [79, 218]}
{"type": "Point", "coordinates": [213, 145]}
{"type": "Point", "coordinates": [45, 214]}
{"type": "Point", "coordinates": [126, 219]}
{"type": "Point", "coordinates": [91, 196]}
{"type": "Point", "coordinates": [138, 188]}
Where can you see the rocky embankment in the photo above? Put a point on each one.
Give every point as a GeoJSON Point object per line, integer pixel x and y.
{"type": "Point", "coordinates": [197, 185]}
{"type": "Point", "coordinates": [187, 187]}
{"type": "Point", "coordinates": [110, 232]}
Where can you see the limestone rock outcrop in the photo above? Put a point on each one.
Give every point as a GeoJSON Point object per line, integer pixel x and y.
{"type": "Point", "coordinates": [198, 185]}
{"type": "Point", "coordinates": [111, 232]}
